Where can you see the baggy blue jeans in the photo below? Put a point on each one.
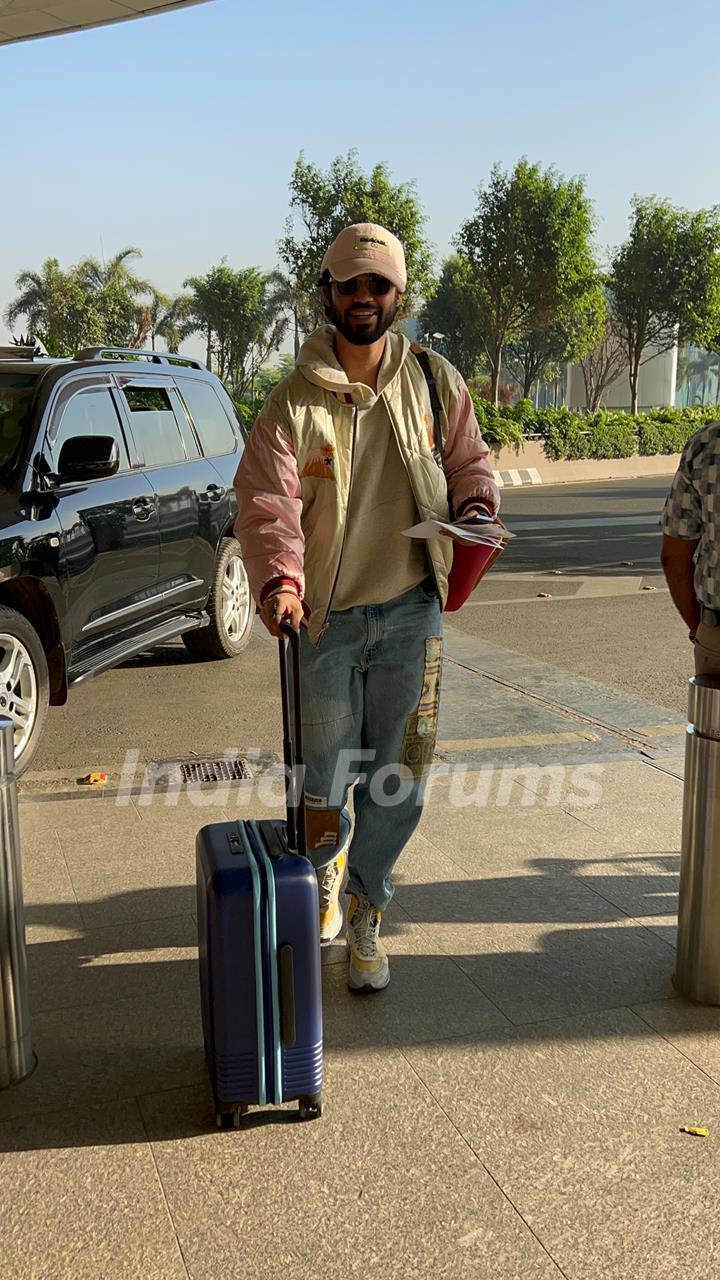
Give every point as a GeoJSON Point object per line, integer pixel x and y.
{"type": "Point", "coordinates": [370, 694]}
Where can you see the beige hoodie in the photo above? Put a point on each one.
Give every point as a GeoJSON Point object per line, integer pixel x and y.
{"type": "Point", "coordinates": [377, 563]}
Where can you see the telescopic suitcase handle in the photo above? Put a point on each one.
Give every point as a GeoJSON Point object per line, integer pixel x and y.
{"type": "Point", "coordinates": [292, 737]}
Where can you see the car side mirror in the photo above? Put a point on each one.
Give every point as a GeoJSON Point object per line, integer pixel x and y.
{"type": "Point", "coordinates": [88, 458]}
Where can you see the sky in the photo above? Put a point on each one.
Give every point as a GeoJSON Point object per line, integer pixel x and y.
{"type": "Point", "coordinates": [178, 133]}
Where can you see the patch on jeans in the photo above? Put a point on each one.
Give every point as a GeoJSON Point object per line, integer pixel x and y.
{"type": "Point", "coordinates": [427, 712]}
{"type": "Point", "coordinates": [418, 744]}
{"type": "Point", "coordinates": [322, 828]}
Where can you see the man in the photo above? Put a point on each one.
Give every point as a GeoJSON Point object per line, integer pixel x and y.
{"type": "Point", "coordinates": [340, 461]}
{"type": "Point", "coordinates": [690, 554]}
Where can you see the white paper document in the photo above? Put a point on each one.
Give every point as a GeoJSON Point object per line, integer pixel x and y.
{"type": "Point", "coordinates": [482, 533]}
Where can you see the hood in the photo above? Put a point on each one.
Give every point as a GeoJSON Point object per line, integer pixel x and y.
{"type": "Point", "coordinates": [319, 364]}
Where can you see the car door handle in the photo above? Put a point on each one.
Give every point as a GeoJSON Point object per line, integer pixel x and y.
{"type": "Point", "coordinates": [215, 492]}
{"type": "Point", "coordinates": [143, 508]}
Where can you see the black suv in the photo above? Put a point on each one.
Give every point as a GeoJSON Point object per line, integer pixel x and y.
{"type": "Point", "coordinates": [116, 518]}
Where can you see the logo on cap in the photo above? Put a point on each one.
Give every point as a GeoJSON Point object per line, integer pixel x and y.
{"type": "Point", "coordinates": [370, 242]}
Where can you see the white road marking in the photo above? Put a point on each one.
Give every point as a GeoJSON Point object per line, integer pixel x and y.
{"type": "Point", "coordinates": [591, 522]}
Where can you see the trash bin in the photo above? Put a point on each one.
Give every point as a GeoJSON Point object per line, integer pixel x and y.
{"type": "Point", "coordinates": [697, 972]}
{"type": "Point", "coordinates": [16, 1056]}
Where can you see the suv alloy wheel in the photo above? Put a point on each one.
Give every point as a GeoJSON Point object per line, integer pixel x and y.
{"type": "Point", "coordinates": [230, 607]}
{"type": "Point", "coordinates": [24, 683]}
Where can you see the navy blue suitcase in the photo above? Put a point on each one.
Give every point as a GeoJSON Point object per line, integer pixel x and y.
{"type": "Point", "coordinates": [259, 946]}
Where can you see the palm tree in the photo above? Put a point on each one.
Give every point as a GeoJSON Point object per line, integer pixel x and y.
{"type": "Point", "coordinates": [290, 297]}
{"type": "Point", "coordinates": [116, 273]}
{"type": "Point", "coordinates": [34, 296]}
{"type": "Point", "coordinates": [171, 320]}
{"type": "Point", "coordinates": [148, 316]}
{"type": "Point", "coordinates": [115, 279]}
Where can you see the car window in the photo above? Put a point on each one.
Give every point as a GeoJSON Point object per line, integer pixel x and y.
{"type": "Point", "coordinates": [211, 422]}
{"type": "Point", "coordinates": [231, 410]}
{"type": "Point", "coordinates": [90, 413]}
{"type": "Point", "coordinates": [182, 416]}
{"type": "Point", "coordinates": [154, 425]}
{"type": "Point", "coordinates": [16, 396]}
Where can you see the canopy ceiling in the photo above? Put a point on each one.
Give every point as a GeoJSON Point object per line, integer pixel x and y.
{"type": "Point", "coordinates": [28, 19]}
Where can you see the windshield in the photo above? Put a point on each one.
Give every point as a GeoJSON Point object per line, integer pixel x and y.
{"type": "Point", "coordinates": [16, 395]}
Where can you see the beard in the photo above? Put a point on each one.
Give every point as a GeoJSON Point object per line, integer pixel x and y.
{"type": "Point", "coordinates": [362, 335]}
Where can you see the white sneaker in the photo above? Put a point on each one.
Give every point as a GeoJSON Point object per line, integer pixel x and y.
{"type": "Point", "coordinates": [330, 881]}
{"type": "Point", "coordinates": [369, 969]}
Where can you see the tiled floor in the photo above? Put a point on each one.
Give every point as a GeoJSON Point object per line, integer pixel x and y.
{"type": "Point", "coordinates": [509, 1108]}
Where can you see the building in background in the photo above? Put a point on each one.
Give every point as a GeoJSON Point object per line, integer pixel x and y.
{"type": "Point", "coordinates": [657, 385]}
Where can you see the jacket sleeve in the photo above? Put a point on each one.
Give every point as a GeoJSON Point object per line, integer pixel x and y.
{"type": "Point", "coordinates": [470, 477]}
{"type": "Point", "coordinates": [269, 500]}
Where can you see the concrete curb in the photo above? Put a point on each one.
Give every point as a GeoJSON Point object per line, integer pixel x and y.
{"type": "Point", "coordinates": [530, 466]}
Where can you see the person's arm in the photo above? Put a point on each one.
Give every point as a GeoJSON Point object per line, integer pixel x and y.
{"type": "Point", "coordinates": [470, 477]}
{"type": "Point", "coordinates": [682, 526]}
{"type": "Point", "coordinates": [678, 563]}
{"type": "Point", "coordinates": [268, 525]}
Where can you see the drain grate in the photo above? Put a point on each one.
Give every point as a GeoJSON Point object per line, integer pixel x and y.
{"type": "Point", "coordinates": [214, 770]}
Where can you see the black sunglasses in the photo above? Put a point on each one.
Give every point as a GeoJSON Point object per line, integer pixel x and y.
{"type": "Point", "coordinates": [378, 286]}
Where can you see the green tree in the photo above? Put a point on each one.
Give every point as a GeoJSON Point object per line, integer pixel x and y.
{"type": "Point", "coordinates": [528, 244]}
{"type": "Point", "coordinates": [539, 354]}
{"type": "Point", "coordinates": [241, 316]}
{"type": "Point", "coordinates": [161, 317]}
{"type": "Point", "coordinates": [88, 305]}
{"type": "Point", "coordinates": [291, 298]}
{"type": "Point", "coordinates": [155, 313]}
{"type": "Point", "coordinates": [453, 311]}
{"type": "Point", "coordinates": [120, 297]}
{"type": "Point", "coordinates": [607, 359]}
{"type": "Point", "coordinates": [115, 273]}
{"type": "Point", "coordinates": [267, 378]}
{"type": "Point", "coordinates": [170, 320]}
{"type": "Point", "coordinates": [57, 309]}
{"type": "Point", "coordinates": [665, 281]}
{"type": "Point", "coordinates": [322, 204]}
{"type": "Point", "coordinates": [36, 293]}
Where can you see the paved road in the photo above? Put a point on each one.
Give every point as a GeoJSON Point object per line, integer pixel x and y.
{"type": "Point", "coordinates": [594, 549]}
{"type": "Point", "coordinates": [591, 548]}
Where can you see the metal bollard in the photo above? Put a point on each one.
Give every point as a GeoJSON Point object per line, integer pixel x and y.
{"type": "Point", "coordinates": [16, 1056]}
{"type": "Point", "coordinates": [697, 972]}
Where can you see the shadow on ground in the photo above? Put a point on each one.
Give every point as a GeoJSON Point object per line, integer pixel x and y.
{"type": "Point", "coordinates": [116, 1010]}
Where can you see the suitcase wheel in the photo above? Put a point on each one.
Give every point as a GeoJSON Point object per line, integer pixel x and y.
{"type": "Point", "coordinates": [310, 1108]}
{"type": "Point", "coordinates": [231, 1119]}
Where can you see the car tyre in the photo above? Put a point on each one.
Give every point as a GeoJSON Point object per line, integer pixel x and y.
{"type": "Point", "coordinates": [230, 607]}
{"type": "Point", "coordinates": [24, 683]}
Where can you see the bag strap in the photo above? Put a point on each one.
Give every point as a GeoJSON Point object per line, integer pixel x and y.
{"type": "Point", "coordinates": [423, 359]}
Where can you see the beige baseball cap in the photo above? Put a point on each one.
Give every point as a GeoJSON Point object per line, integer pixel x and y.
{"type": "Point", "coordinates": [366, 249]}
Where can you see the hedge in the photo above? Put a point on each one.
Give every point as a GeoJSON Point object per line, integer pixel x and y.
{"type": "Point", "coordinates": [504, 425]}
{"type": "Point", "coordinates": [607, 433]}
{"type": "Point", "coordinates": [568, 436]}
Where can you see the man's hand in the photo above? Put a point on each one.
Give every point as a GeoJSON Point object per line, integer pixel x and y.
{"type": "Point", "coordinates": [286, 606]}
